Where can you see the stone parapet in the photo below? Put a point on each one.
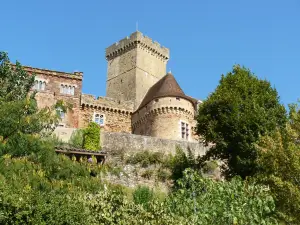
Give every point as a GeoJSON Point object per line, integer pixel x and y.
{"type": "Point", "coordinates": [131, 143]}
{"type": "Point", "coordinates": [136, 39]}
{"type": "Point", "coordinates": [106, 103]}
{"type": "Point", "coordinates": [47, 72]}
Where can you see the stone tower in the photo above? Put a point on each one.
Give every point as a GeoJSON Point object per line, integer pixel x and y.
{"type": "Point", "coordinates": [134, 64]}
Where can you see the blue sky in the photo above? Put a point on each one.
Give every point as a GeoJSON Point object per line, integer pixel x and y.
{"type": "Point", "coordinates": [206, 38]}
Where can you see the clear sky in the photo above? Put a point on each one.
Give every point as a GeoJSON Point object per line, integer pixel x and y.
{"type": "Point", "coordinates": [206, 38]}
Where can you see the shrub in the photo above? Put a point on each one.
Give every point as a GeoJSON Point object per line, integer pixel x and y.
{"type": "Point", "coordinates": [91, 140]}
{"type": "Point", "coordinates": [163, 174]}
{"type": "Point", "coordinates": [76, 138]}
{"type": "Point", "coordinates": [148, 173]}
{"type": "Point", "coordinates": [146, 158]}
{"type": "Point", "coordinates": [142, 195]}
{"type": "Point", "coordinates": [210, 166]}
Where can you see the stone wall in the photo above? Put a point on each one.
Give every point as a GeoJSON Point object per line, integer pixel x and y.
{"type": "Point", "coordinates": [64, 133]}
{"type": "Point", "coordinates": [117, 116]}
{"type": "Point", "coordinates": [52, 91]}
{"type": "Point", "coordinates": [162, 118]}
{"type": "Point", "coordinates": [134, 64]}
{"type": "Point", "coordinates": [130, 143]}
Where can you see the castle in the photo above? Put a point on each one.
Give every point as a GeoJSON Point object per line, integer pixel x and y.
{"type": "Point", "coordinates": [141, 97]}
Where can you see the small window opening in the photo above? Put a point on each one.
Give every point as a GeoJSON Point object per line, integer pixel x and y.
{"type": "Point", "coordinates": [185, 131]}
{"type": "Point", "coordinates": [178, 99]}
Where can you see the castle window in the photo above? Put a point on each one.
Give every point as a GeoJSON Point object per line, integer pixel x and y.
{"type": "Point", "coordinates": [178, 99]}
{"type": "Point", "coordinates": [39, 85]}
{"type": "Point", "coordinates": [185, 130]}
{"type": "Point", "coordinates": [99, 119]}
{"type": "Point", "coordinates": [72, 90]}
{"type": "Point", "coordinates": [60, 113]}
{"type": "Point", "coordinates": [67, 89]}
{"type": "Point", "coordinates": [156, 100]}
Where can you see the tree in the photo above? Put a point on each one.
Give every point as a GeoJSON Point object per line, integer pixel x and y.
{"type": "Point", "coordinates": [20, 118]}
{"type": "Point", "coordinates": [241, 110]}
{"type": "Point", "coordinates": [279, 167]}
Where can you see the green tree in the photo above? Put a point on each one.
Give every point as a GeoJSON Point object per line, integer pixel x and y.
{"type": "Point", "coordinates": [279, 167]}
{"type": "Point", "coordinates": [20, 118]}
{"type": "Point", "coordinates": [235, 115]}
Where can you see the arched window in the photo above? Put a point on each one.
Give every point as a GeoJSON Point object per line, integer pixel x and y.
{"type": "Point", "coordinates": [60, 113]}
{"type": "Point", "coordinates": [66, 89]}
{"type": "Point", "coordinates": [61, 88]}
{"type": "Point", "coordinates": [36, 84]}
{"type": "Point", "coordinates": [99, 119]}
{"type": "Point", "coordinates": [43, 85]}
{"type": "Point", "coordinates": [40, 85]}
{"type": "Point", "coordinates": [72, 90]}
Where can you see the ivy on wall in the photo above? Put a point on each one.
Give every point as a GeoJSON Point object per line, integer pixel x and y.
{"type": "Point", "coordinates": [91, 137]}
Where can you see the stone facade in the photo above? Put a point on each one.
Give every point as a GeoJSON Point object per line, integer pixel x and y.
{"type": "Point", "coordinates": [134, 65]}
{"type": "Point", "coordinates": [162, 118]}
{"type": "Point", "coordinates": [51, 91]}
{"type": "Point", "coordinates": [117, 116]}
{"type": "Point", "coordinates": [140, 97]}
{"type": "Point", "coordinates": [117, 143]}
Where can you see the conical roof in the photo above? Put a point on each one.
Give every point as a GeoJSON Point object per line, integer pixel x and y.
{"type": "Point", "coordinates": [167, 86]}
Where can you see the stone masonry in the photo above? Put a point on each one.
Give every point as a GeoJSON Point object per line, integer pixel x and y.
{"type": "Point", "coordinates": [134, 65]}
{"type": "Point", "coordinates": [141, 98]}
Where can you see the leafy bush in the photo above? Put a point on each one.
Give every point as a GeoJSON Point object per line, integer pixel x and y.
{"type": "Point", "coordinates": [142, 195]}
{"type": "Point", "coordinates": [146, 158]}
{"type": "Point", "coordinates": [205, 201]}
{"type": "Point", "coordinates": [76, 138]}
{"type": "Point", "coordinates": [163, 174]}
{"type": "Point", "coordinates": [91, 140]}
{"type": "Point", "coordinates": [209, 166]}
{"type": "Point", "coordinates": [148, 173]}
{"type": "Point", "coordinates": [179, 162]}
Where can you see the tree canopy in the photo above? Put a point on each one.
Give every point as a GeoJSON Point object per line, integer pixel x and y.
{"type": "Point", "coordinates": [20, 118]}
{"type": "Point", "coordinates": [241, 110]}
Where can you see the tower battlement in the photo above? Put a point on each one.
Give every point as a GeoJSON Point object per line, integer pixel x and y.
{"type": "Point", "coordinates": [137, 39]}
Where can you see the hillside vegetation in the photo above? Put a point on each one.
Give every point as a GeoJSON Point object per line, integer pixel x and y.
{"type": "Point", "coordinates": [37, 186]}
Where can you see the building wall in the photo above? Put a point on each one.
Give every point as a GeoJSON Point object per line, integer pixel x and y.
{"type": "Point", "coordinates": [51, 94]}
{"type": "Point", "coordinates": [131, 143]}
{"type": "Point", "coordinates": [134, 64]}
{"type": "Point", "coordinates": [117, 116]}
{"type": "Point", "coordinates": [162, 118]}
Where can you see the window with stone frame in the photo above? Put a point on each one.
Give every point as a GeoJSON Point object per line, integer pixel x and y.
{"type": "Point", "coordinates": [99, 119]}
{"type": "Point", "coordinates": [60, 113]}
{"type": "Point", "coordinates": [185, 130]}
{"type": "Point", "coordinates": [39, 85]}
{"type": "Point", "coordinates": [67, 89]}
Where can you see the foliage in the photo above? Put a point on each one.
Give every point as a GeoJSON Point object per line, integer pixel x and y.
{"type": "Point", "coordinates": [91, 138]}
{"type": "Point", "coordinates": [148, 173]}
{"type": "Point", "coordinates": [76, 138]}
{"type": "Point", "coordinates": [20, 119]}
{"type": "Point", "coordinates": [15, 83]}
{"type": "Point", "coordinates": [235, 115]}
{"type": "Point", "coordinates": [163, 174]}
{"type": "Point", "coordinates": [142, 195]}
{"type": "Point", "coordinates": [145, 158]}
{"type": "Point", "coordinates": [210, 166]}
{"type": "Point", "coordinates": [205, 201]}
{"type": "Point", "coordinates": [179, 162]}
{"type": "Point", "coordinates": [279, 164]}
